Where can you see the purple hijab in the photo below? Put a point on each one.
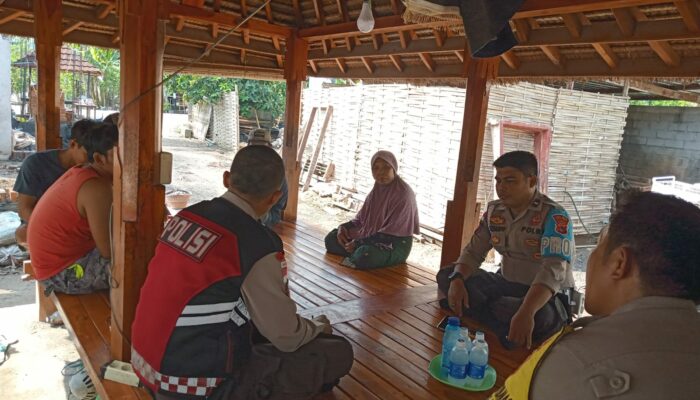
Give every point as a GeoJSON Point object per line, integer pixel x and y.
{"type": "Point", "coordinates": [389, 209]}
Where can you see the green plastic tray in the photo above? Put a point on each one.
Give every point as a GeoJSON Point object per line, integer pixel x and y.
{"type": "Point", "coordinates": [435, 369]}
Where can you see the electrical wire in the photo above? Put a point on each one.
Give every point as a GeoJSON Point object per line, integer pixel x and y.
{"type": "Point", "coordinates": [577, 213]}
{"type": "Point", "coordinates": [194, 60]}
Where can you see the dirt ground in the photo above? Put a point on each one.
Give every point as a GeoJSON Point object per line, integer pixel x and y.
{"type": "Point", "coordinates": [33, 370]}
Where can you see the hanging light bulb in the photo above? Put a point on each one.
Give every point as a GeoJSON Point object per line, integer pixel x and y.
{"type": "Point", "coordinates": [366, 21]}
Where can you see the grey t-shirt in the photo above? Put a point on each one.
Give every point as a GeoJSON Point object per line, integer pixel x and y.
{"type": "Point", "coordinates": [38, 172]}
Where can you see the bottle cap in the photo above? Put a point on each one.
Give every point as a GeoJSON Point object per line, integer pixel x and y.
{"type": "Point", "coordinates": [453, 321]}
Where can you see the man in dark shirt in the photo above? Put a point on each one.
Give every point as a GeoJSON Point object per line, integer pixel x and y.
{"type": "Point", "coordinates": [40, 170]}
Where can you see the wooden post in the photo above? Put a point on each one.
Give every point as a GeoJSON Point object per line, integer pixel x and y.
{"type": "Point", "coordinates": [48, 37]}
{"type": "Point", "coordinates": [139, 200]}
{"type": "Point", "coordinates": [295, 74]}
{"type": "Point", "coordinates": [461, 210]}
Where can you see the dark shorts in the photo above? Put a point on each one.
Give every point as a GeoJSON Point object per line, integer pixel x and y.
{"type": "Point", "coordinates": [88, 274]}
{"type": "Point", "coordinates": [493, 300]}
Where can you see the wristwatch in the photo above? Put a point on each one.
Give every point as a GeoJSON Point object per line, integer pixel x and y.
{"type": "Point", "coordinates": [454, 275]}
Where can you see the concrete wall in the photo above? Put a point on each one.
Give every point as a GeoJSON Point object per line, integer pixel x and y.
{"type": "Point", "coordinates": [662, 141]}
{"type": "Point", "coordinates": [5, 110]}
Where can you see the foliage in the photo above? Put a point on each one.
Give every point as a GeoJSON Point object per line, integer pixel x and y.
{"type": "Point", "coordinates": [663, 103]}
{"type": "Point", "coordinates": [263, 96]}
{"type": "Point", "coordinates": [105, 89]}
{"type": "Point", "coordinates": [19, 47]}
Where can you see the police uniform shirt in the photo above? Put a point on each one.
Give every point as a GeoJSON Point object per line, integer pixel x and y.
{"type": "Point", "coordinates": [537, 245]}
{"type": "Point", "coordinates": [648, 349]}
{"type": "Point", "coordinates": [265, 295]}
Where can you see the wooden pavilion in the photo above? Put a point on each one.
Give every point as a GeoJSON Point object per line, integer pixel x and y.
{"type": "Point", "coordinates": [393, 326]}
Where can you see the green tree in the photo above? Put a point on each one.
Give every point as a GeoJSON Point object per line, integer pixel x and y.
{"type": "Point", "coordinates": [663, 103]}
{"type": "Point", "coordinates": [263, 96]}
{"type": "Point", "coordinates": [105, 89]}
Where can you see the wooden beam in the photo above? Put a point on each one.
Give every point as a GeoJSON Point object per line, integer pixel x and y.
{"type": "Point", "coordinates": [427, 61]}
{"type": "Point", "coordinates": [450, 45]}
{"type": "Point", "coordinates": [461, 209]}
{"type": "Point", "coordinates": [295, 75]}
{"type": "Point", "coordinates": [244, 8]}
{"type": "Point", "coordinates": [368, 64]}
{"type": "Point", "coordinates": [511, 59]}
{"type": "Point", "coordinates": [690, 13]}
{"type": "Point", "coordinates": [522, 30]}
{"type": "Point", "coordinates": [665, 52]}
{"type": "Point", "coordinates": [12, 16]}
{"type": "Point", "coordinates": [460, 55]}
{"type": "Point", "coordinates": [175, 10]}
{"type": "Point", "coordinates": [48, 28]}
{"type": "Point", "coordinates": [396, 60]}
{"type": "Point", "coordinates": [180, 24]}
{"type": "Point", "coordinates": [139, 200]}
{"type": "Point", "coordinates": [318, 9]}
{"type": "Point", "coordinates": [553, 54]}
{"type": "Point", "coordinates": [299, 17]}
{"type": "Point", "coordinates": [313, 66]}
{"type": "Point", "coordinates": [528, 70]}
{"type": "Point", "coordinates": [573, 24]}
{"type": "Point", "coordinates": [543, 8]}
{"type": "Point", "coordinates": [215, 30]}
{"type": "Point", "coordinates": [404, 39]}
{"type": "Point", "coordinates": [607, 54]}
{"type": "Point", "coordinates": [439, 37]}
{"type": "Point", "coordinates": [530, 9]}
{"type": "Point", "coordinates": [268, 13]}
{"type": "Point", "coordinates": [73, 26]}
{"type": "Point", "coordinates": [276, 43]}
{"type": "Point", "coordinates": [341, 65]}
{"type": "Point", "coordinates": [201, 37]}
{"type": "Point", "coordinates": [625, 20]}
{"type": "Point", "coordinates": [104, 11]}
{"type": "Point", "coordinates": [377, 42]}
{"type": "Point", "coordinates": [217, 5]}
{"type": "Point", "coordinates": [662, 91]}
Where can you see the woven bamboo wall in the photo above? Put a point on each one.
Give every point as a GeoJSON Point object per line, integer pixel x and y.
{"type": "Point", "coordinates": [422, 126]}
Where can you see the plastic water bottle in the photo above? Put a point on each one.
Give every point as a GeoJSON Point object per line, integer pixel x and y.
{"type": "Point", "coordinates": [448, 342]}
{"type": "Point", "coordinates": [478, 336]}
{"type": "Point", "coordinates": [459, 360]}
{"type": "Point", "coordinates": [464, 334]}
{"type": "Point", "coordinates": [478, 361]}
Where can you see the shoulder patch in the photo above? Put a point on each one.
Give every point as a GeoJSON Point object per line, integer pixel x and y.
{"type": "Point", "coordinates": [189, 238]}
{"type": "Point", "coordinates": [557, 237]}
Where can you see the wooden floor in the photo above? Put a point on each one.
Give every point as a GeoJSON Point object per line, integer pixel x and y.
{"type": "Point", "coordinates": [389, 317]}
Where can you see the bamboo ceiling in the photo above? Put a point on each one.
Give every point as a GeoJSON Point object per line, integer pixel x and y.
{"type": "Point", "coordinates": [584, 39]}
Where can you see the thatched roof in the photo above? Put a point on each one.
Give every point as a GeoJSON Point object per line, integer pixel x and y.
{"type": "Point", "coordinates": [583, 39]}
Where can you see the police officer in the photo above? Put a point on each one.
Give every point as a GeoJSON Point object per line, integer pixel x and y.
{"type": "Point", "coordinates": [535, 236]}
{"type": "Point", "coordinates": [642, 290]}
{"type": "Point", "coordinates": [214, 318]}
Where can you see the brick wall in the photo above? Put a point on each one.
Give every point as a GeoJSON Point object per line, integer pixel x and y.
{"type": "Point", "coordinates": [662, 141]}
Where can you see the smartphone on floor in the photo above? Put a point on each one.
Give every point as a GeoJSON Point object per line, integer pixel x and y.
{"type": "Point", "coordinates": [441, 326]}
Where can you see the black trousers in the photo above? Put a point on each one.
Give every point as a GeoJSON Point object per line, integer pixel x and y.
{"type": "Point", "coordinates": [493, 300]}
{"type": "Point", "coordinates": [271, 374]}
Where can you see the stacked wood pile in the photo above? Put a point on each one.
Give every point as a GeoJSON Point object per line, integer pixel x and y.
{"type": "Point", "coordinates": [422, 126]}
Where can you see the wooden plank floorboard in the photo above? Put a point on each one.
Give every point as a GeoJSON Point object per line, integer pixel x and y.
{"type": "Point", "coordinates": [354, 309]}
{"type": "Point", "coordinates": [389, 316]}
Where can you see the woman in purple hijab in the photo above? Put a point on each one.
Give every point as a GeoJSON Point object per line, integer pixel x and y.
{"type": "Point", "coordinates": [382, 232]}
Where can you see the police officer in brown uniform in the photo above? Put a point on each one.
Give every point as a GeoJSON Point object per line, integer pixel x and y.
{"type": "Point", "coordinates": [535, 236]}
{"type": "Point", "coordinates": [642, 341]}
